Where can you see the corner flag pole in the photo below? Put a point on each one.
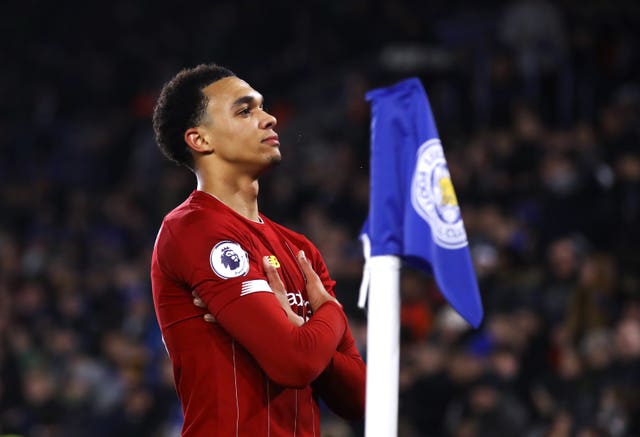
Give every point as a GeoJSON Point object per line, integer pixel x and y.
{"type": "Point", "coordinates": [383, 347]}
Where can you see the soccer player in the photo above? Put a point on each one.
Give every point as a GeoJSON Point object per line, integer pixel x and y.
{"type": "Point", "coordinates": [281, 339]}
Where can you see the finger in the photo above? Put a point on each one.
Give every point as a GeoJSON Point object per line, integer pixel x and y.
{"type": "Point", "coordinates": [306, 267]}
{"type": "Point", "coordinates": [198, 302]}
{"type": "Point", "coordinates": [209, 318]}
{"type": "Point", "coordinates": [272, 276]}
{"type": "Point", "coordinates": [297, 320]}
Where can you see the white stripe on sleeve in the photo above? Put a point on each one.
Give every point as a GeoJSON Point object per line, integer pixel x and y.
{"type": "Point", "coordinates": [254, 286]}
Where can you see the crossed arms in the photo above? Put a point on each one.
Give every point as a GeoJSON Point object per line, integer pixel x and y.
{"type": "Point", "coordinates": [320, 352]}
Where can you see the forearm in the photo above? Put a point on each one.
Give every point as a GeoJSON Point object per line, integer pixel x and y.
{"type": "Point", "coordinates": [291, 356]}
{"type": "Point", "coordinates": [342, 384]}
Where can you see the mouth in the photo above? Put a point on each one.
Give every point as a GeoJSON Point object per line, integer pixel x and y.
{"type": "Point", "coordinates": [273, 140]}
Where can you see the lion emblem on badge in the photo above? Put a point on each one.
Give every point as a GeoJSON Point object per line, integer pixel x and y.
{"type": "Point", "coordinates": [434, 199]}
{"type": "Point", "coordinates": [229, 260]}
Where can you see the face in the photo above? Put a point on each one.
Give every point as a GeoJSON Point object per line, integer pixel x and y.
{"type": "Point", "coordinates": [237, 129]}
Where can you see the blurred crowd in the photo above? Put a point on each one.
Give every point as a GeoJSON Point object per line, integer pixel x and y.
{"type": "Point", "coordinates": [538, 107]}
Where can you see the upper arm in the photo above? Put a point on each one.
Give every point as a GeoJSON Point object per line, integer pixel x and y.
{"type": "Point", "coordinates": [217, 262]}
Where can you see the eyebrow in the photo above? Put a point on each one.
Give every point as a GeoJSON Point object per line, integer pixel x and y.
{"type": "Point", "coordinates": [243, 100]}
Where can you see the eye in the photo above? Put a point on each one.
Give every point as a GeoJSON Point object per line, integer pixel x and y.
{"type": "Point", "coordinates": [244, 111]}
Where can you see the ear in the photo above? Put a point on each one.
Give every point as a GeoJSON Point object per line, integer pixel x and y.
{"type": "Point", "coordinates": [196, 140]}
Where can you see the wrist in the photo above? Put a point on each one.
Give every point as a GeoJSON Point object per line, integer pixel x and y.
{"type": "Point", "coordinates": [295, 319]}
{"type": "Point", "coordinates": [319, 302]}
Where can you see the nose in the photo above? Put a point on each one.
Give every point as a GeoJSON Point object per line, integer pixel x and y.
{"type": "Point", "coordinates": [269, 121]}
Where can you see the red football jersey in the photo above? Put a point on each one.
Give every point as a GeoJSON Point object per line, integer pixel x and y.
{"type": "Point", "coordinates": [252, 373]}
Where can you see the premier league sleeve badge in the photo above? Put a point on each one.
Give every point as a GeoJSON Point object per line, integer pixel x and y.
{"type": "Point", "coordinates": [228, 260]}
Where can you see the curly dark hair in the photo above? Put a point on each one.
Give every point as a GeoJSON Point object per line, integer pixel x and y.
{"type": "Point", "coordinates": [181, 105]}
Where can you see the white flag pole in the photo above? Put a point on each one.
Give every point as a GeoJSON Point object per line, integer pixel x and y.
{"type": "Point", "coordinates": [383, 346]}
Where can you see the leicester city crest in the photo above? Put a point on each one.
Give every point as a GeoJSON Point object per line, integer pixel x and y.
{"type": "Point", "coordinates": [229, 260]}
{"type": "Point", "coordinates": [434, 199]}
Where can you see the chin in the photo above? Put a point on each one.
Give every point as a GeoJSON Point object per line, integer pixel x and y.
{"type": "Point", "coordinates": [275, 160]}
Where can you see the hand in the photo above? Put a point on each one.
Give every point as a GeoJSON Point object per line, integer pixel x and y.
{"type": "Point", "coordinates": [315, 288]}
{"type": "Point", "coordinates": [281, 294]}
{"type": "Point", "coordinates": [200, 304]}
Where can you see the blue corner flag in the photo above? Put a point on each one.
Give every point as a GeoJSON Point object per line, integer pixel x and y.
{"type": "Point", "coordinates": [413, 211]}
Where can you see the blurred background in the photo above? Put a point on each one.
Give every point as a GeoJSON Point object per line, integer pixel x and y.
{"type": "Point", "coordinates": [538, 107]}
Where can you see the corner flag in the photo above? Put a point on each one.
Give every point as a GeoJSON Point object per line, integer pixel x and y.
{"type": "Point", "coordinates": [413, 215]}
{"type": "Point", "coordinates": [413, 210]}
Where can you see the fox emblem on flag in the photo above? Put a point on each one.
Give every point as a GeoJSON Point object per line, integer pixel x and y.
{"type": "Point", "coordinates": [434, 199]}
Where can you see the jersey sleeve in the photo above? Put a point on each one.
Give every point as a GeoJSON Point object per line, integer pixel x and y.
{"type": "Point", "coordinates": [218, 263]}
{"type": "Point", "coordinates": [342, 384]}
{"type": "Point", "coordinates": [291, 356]}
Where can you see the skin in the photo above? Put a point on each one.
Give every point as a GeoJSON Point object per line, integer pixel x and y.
{"type": "Point", "coordinates": [235, 144]}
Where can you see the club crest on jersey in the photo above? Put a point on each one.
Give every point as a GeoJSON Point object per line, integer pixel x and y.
{"type": "Point", "coordinates": [228, 260]}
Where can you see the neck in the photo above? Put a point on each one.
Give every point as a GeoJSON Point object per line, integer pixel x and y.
{"type": "Point", "coordinates": [238, 193]}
